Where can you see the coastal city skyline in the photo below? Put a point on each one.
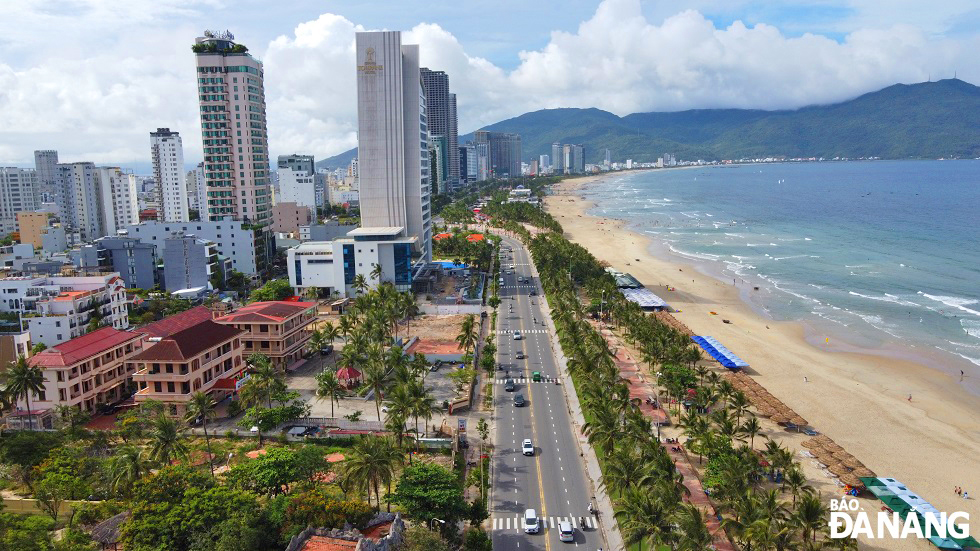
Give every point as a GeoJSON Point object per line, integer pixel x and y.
{"type": "Point", "coordinates": [695, 55]}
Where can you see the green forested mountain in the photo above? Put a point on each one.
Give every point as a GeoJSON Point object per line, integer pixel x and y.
{"type": "Point", "coordinates": [925, 120]}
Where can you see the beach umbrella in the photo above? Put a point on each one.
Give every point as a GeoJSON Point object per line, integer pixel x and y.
{"type": "Point", "coordinates": [863, 472]}
{"type": "Point", "coordinates": [838, 469]}
{"type": "Point", "coordinates": [851, 480]}
{"type": "Point", "coordinates": [842, 455]}
{"type": "Point", "coordinates": [852, 462]}
{"type": "Point", "coordinates": [810, 444]}
{"type": "Point", "coordinates": [824, 457]}
{"type": "Point", "coordinates": [823, 439]}
{"type": "Point", "coordinates": [833, 447]}
{"type": "Point", "coordinates": [798, 421]}
{"type": "Point", "coordinates": [779, 417]}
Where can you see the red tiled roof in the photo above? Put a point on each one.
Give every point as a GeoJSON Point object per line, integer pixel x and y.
{"type": "Point", "coordinates": [441, 236]}
{"type": "Point", "coordinates": [348, 373]}
{"type": "Point", "coordinates": [187, 343]}
{"type": "Point", "coordinates": [80, 348]}
{"type": "Point", "coordinates": [271, 311]}
{"type": "Point", "coordinates": [474, 237]}
{"type": "Point", "coordinates": [178, 322]}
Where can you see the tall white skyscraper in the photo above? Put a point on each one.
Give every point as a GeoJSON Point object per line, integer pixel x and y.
{"type": "Point", "coordinates": [46, 164]}
{"type": "Point", "coordinates": [117, 191]}
{"type": "Point", "coordinates": [81, 202]}
{"type": "Point", "coordinates": [197, 191]}
{"type": "Point", "coordinates": [296, 186]}
{"type": "Point", "coordinates": [231, 92]}
{"type": "Point", "coordinates": [168, 168]}
{"type": "Point", "coordinates": [393, 165]}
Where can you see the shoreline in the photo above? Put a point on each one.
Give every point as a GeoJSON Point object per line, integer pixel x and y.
{"type": "Point", "coordinates": [857, 397]}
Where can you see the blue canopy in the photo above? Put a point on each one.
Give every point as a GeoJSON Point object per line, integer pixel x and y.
{"type": "Point", "coordinates": [717, 351]}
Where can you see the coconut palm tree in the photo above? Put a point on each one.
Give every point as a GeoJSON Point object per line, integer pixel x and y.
{"type": "Point", "coordinates": [795, 481]}
{"type": "Point", "coordinates": [330, 332]}
{"type": "Point", "coordinates": [739, 405]}
{"type": "Point", "coordinates": [125, 468]}
{"type": "Point", "coordinates": [467, 336]}
{"type": "Point", "coordinates": [264, 380]}
{"type": "Point", "coordinates": [360, 284]}
{"type": "Point", "coordinates": [423, 404]}
{"type": "Point", "coordinates": [399, 409]}
{"type": "Point", "coordinates": [201, 406]}
{"type": "Point", "coordinates": [376, 272]}
{"type": "Point", "coordinates": [644, 517]}
{"type": "Point", "coordinates": [692, 529]}
{"type": "Point", "coordinates": [316, 342]}
{"type": "Point", "coordinates": [166, 441]}
{"type": "Point", "coordinates": [329, 386]}
{"type": "Point", "coordinates": [810, 515]}
{"type": "Point", "coordinates": [376, 379]}
{"type": "Point", "coordinates": [368, 464]}
{"type": "Point", "coordinates": [21, 380]}
{"type": "Point", "coordinates": [751, 428]}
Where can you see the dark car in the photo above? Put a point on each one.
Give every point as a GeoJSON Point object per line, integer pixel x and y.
{"type": "Point", "coordinates": [520, 355]}
{"type": "Point", "coordinates": [326, 350]}
{"type": "Point", "coordinates": [509, 385]}
{"type": "Point", "coordinates": [519, 400]}
{"type": "Point", "coordinates": [533, 293]}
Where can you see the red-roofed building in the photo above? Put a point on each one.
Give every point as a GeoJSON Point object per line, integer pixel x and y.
{"type": "Point", "coordinates": [177, 322]}
{"type": "Point", "coordinates": [203, 357]}
{"type": "Point", "coordinates": [474, 237]}
{"type": "Point", "coordinates": [277, 329]}
{"type": "Point", "coordinates": [86, 372]}
{"type": "Point", "coordinates": [439, 236]}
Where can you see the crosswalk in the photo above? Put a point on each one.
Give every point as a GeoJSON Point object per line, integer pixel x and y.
{"type": "Point", "coordinates": [516, 523]}
{"type": "Point", "coordinates": [529, 287]}
{"type": "Point", "coordinates": [523, 331]}
{"type": "Point", "coordinates": [524, 380]}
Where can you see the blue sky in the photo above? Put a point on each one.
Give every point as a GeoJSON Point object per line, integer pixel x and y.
{"type": "Point", "coordinates": [91, 78]}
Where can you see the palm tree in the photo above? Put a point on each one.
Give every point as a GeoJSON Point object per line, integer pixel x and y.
{"type": "Point", "coordinates": [407, 308]}
{"type": "Point", "coordinates": [330, 332]}
{"type": "Point", "coordinates": [360, 284]}
{"type": "Point", "coordinates": [368, 464]}
{"type": "Point", "coordinates": [644, 517]}
{"type": "Point", "coordinates": [809, 515]}
{"type": "Point", "coordinates": [166, 441]}
{"type": "Point", "coordinates": [751, 428]}
{"type": "Point", "coordinates": [376, 378]}
{"type": "Point", "coordinates": [201, 406]}
{"type": "Point", "coordinates": [693, 533]}
{"type": "Point", "coordinates": [376, 272]}
{"type": "Point", "coordinates": [796, 482]}
{"type": "Point", "coordinates": [328, 386]}
{"type": "Point", "coordinates": [423, 404]}
{"type": "Point", "coordinates": [316, 342]}
{"type": "Point", "coordinates": [739, 405]}
{"type": "Point", "coordinates": [312, 292]}
{"type": "Point", "coordinates": [125, 469]}
{"type": "Point", "coordinates": [265, 379]}
{"type": "Point", "coordinates": [467, 336]}
{"type": "Point", "coordinates": [22, 380]}
{"type": "Point", "coordinates": [399, 409]}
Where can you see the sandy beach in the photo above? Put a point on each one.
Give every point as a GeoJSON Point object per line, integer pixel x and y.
{"type": "Point", "coordinates": [931, 443]}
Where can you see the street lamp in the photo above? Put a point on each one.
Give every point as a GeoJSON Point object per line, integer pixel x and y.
{"type": "Point", "coordinates": [434, 520]}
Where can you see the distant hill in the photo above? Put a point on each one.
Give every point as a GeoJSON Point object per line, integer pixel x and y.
{"type": "Point", "coordinates": [924, 120]}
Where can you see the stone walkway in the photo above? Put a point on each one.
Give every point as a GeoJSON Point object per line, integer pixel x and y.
{"type": "Point", "coordinates": [640, 388]}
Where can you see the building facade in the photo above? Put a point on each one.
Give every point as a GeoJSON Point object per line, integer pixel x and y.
{"type": "Point", "coordinates": [117, 197]}
{"type": "Point", "coordinates": [78, 198]}
{"type": "Point", "coordinates": [298, 163]}
{"type": "Point", "coordinates": [197, 190]}
{"type": "Point", "coordinates": [333, 266]}
{"type": "Point", "coordinates": [503, 151]}
{"type": "Point", "coordinates": [288, 217]}
{"type": "Point", "coordinates": [231, 92]}
{"type": "Point", "coordinates": [205, 357]}
{"type": "Point", "coordinates": [45, 163]}
{"type": "Point", "coordinates": [19, 192]}
{"type": "Point", "coordinates": [393, 152]}
{"type": "Point", "coordinates": [189, 262]}
{"type": "Point", "coordinates": [31, 226]}
{"type": "Point", "coordinates": [247, 247]}
{"type": "Point", "coordinates": [440, 115]}
{"type": "Point", "coordinates": [134, 260]}
{"type": "Point", "coordinates": [167, 151]}
{"type": "Point", "coordinates": [297, 187]}
{"type": "Point", "coordinates": [278, 330]}
{"type": "Point", "coordinates": [85, 372]}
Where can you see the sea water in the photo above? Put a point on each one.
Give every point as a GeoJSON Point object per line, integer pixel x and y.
{"type": "Point", "coordinates": [877, 253]}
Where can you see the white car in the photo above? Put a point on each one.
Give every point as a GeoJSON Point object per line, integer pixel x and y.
{"type": "Point", "coordinates": [527, 448]}
{"type": "Point", "coordinates": [531, 524]}
{"type": "Point", "coordinates": [517, 336]}
{"type": "Point", "coordinates": [565, 531]}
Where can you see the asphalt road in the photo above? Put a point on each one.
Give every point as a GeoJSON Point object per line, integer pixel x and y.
{"type": "Point", "coordinates": [553, 481]}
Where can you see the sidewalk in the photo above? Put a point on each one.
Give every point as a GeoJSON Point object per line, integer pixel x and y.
{"type": "Point", "coordinates": [641, 389]}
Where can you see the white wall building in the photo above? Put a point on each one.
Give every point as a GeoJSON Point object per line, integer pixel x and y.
{"type": "Point", "coordinates": [241, 245]}
{"type": "Point", "coordinates": [19, 192]}
{"type": "Point", "coordinates": [332, 266]}
{"type": "Point", "coordinates": [58, 309]}
{"type": "Point", "coordinates": [78, 197]}
{"type": "Point", "coordinates": [197, 190]}
{"type": "Point", "coordinates": [168, 169]}
{"type": "Point", "coordinates": [117, 193]}
{"type": "Point", "coordinates": [393, 150]}
{"type": "Point", "coordinates": [296, 186]}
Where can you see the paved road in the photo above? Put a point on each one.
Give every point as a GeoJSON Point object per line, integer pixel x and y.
{"type": "Point", "coordinates": [553, 481]}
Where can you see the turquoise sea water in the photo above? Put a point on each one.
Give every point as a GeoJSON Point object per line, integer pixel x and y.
{"type": "Point", "coordinates": [880, 254]}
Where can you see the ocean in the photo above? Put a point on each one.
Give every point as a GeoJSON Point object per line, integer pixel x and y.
{"type": "Point", "coordinates": [882, 255]}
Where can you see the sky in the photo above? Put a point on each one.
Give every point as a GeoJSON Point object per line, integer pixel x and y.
{"type": "Point", "coordinates": [92, 78]}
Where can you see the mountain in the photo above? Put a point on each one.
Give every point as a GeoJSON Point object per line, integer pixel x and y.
{"type": "Point", "coordinates": [924, 120]}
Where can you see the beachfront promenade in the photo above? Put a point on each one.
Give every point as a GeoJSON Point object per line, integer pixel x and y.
{"type": "Point", "coordinates": [641, 390]}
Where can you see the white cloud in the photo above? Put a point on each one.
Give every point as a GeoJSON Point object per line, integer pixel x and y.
{"type": "Point", "coordinates": [98, 101]}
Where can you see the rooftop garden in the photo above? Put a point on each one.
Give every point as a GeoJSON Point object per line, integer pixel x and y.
{"type": "Point", "coordinates": [213, 48]}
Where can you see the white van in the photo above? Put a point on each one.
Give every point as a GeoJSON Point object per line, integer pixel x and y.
{"type": "Point", "coordinates": [531, 525]}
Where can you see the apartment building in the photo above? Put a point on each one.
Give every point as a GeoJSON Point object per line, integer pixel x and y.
{"type": "Point", "coordinates": [85, 372]}
{"type": "Point", "coordinates": [277, 329]}
{"type": "Point", "coordinates": [58, 308]}
{"type": "Point", "coordinates": [205, 357]}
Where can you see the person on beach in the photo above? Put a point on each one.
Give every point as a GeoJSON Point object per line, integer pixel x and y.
{"type": "Point", "coordinates": [966, 495]}
{"type": "Point", "coordinates": [805, 380]}
{"type": "Point", "coordinates": [910, 397]}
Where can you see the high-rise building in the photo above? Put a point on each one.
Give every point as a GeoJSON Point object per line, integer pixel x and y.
{"type": "Point", "coordinates": [197, 190]}
{"type": "Point", "coordinates": [231, 93]}
{"type": "Point", "coordinates": [296, 186]}
{"type": "Point", "coordinates": [18, 193]}
{"type": "Point", "coordinates": [573, 161]}
{"type": "Point", "coordinates": [440, 115]}
{"type": "Point", "coordinates": [167, 151]}
{"type": "Point", "coordinates": [117, 200]}
{"type": "Point", "coordinates": [504, 153]}
{"type": "Point", "coordinates": [297, 162]}
{"type": "Point", "coordinates": [557, 158]}
{"type": "Point", "coordinates": [467, 162]}
{"type": "Point", "coordinates": [578, 166]}
{"type": "Point", "coordinates": [544, 163]}
{"type": "Point", "coordinates": [188, 262]}
{"type": "Point", "coordinates": [392, 146]}
{"type": "Point", "coordinates": [439, 164]}
{"type": "Point", "coordinates": [607, 160]}
{"type": "Point", "coordinates": [79, 198]}
{"type": "Point", "coordinates": [46, 162]}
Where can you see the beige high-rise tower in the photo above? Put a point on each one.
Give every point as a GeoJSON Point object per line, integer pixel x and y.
{"type": "Point", "coordinates": [231, 93]}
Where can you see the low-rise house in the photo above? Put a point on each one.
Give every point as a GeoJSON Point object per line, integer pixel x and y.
{"type": "Point", "coordinates": [277, 329]}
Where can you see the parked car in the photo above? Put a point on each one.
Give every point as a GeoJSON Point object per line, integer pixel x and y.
{"type": "Point", "coordinates": [326, 350]}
